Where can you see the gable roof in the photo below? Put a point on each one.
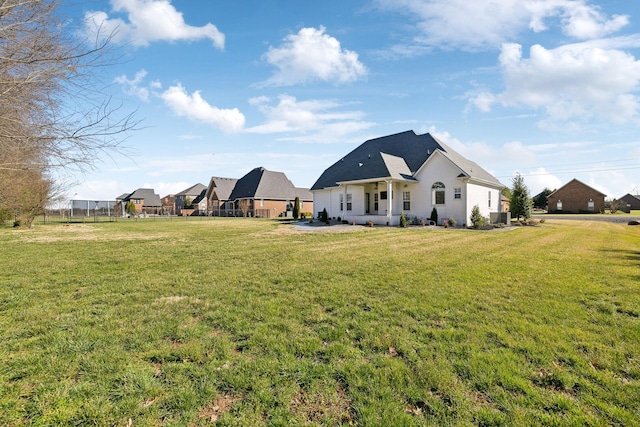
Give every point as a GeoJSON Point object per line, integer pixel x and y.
{"type": "Point", "coordinates": [261, 183]}
{"type": "Point", "coordinates": [193, 191]}
{"type": "Point", "coordinates": [574, 180]}
{"type": "Point", "coordinates": [221, 187]}
{"type": "Point", "coordinates": [397, 156]}
{"type": "Point", "coordinates": [147, 194]}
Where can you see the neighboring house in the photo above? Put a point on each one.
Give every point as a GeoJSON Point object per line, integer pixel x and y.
{"type": "Point", "coordinates": [218, 194]}
{"type": "Point", "coordinates": [575, 197]}
{"type": "Point", "coordinates": [195, 196]}
{"type": "Point", "coordinates": [145, 200]}
{"type": "Point", "coordinates": [505, 203]}
{"type": "Point", "coordinates": [629, 202]}
{"type": "Point", "coordinates": [267, 194]}
{"type": "Point", "coordinates": [169, 204]}
{"type": "Point", "coordinates": [409, 173]}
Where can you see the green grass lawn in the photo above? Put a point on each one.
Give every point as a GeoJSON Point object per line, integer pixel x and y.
{"type": "Point", "coordinates": [247, 322]}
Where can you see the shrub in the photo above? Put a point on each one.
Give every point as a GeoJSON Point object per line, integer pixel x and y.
{"type": "Point", "coordinates": [403, 220]}
{"type": "Point", "coordinates": [452, 222]}
{"type": "Point", "coordinates": [434, 215]}
{"type": "Point", "coordinates": [339, 219]}
{"type": "Point", "coordinates": [370, 223]}
{"type": "Point", "coordinates": [477, 220]}
{"type": "Point", "coordinates": [324, 216]}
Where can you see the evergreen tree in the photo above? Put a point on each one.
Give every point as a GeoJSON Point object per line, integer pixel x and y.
{"type": "Point", "coordinates": [296, 208]}
{"type": "Point", "coordinates": [520, 203]}
{"type": "Point", "coordinates": [540, 201]}
{"type": "Point", "coordinates": [477, 220]}
{"type": "Point", "coordinates": [434, 215]}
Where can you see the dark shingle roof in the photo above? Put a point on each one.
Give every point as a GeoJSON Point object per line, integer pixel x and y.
{"type": "Point", "coordinates": [383, 158]}
{"type": "Point", "coordinates": [147, 194]}
{"type": "Point", "coordinates": [261, 183]}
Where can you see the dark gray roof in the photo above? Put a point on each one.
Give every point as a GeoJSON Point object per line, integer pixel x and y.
{"type": "Point", "coordinates": [261, 183]}
{"type": "Point", "coordinates": [193, 191]}
{"type": "Point", "coordinates": [397, 156]}
{"type": "Point", "coordinates": [147, 194]}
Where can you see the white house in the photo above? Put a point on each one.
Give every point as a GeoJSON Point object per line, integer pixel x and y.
{"type": "Point", "coordinates": [409, 173]}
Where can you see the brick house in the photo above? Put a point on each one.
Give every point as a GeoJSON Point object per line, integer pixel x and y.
{"type": "Point", "coordinates": [575, 197]}
{"type": "Point", "coordinates": [145, 200]}
{"type": "Point", "coordinates": [629, 202]}
{"type": "Point", "coordinates": [268, 194]}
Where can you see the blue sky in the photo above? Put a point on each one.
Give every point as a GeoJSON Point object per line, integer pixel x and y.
{"type": "Point", "coordinates": [546, 88]}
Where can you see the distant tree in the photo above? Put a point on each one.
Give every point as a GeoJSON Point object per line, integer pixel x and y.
{"type": "Point", "coordinates": [520, 203]}
{"type": "Point", "coordinates": [506, 192]}
{"type": "Point", "coordinates": [296, 208]}
{"type": "Point", "coordinates": [434, 215]}
{"type": "Point", "coordinates": [130, 208]}
{"type": "Point", "coordinates": [477, 220]}
{"type": "Point", "coordinates": [188, 203]}
{"type": "Point", "coordinates": [540, 201]}
{"type": "Point", "coordinates": [613, 205]}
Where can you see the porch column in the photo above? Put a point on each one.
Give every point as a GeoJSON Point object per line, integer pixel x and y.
{"type": "Point", "coordinates": [344, 203]}
{"type": "Point", "coordinates": [389, 200]}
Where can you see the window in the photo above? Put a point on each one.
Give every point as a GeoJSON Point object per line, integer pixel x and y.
{"type": "Point", "coordinates": [438, 193]}
{"type": "Point", "coordinates": [341, 202]}
{"type": "Point", "coordinates": [590, 206]}
{"type": "Point", "coordinates": [261, 202]}
{"type": "Point", "coordinates": [559, 205]}
{"type": "Point", "coordinates": [457, 193]}
{"type": "Point", "coordinates": [349, 202]}
{"type": "Point", "coordinates": [375, 202]}
{"type": "Point", "coordinates": [136, 201]}
{"type": "Point", "coordinates": [406, 200]}
{"type": "Point", "coordinates": [489, 199]}
{"type": "Point", "coordinates": [383, 195]}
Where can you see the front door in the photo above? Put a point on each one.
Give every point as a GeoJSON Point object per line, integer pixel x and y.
{"type": "Point", "coordinates": [367, 203]}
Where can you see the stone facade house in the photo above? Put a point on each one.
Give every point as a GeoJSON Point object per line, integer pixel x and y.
{"type": "Point", "coordinates": [217, 196]}
{"type": "Point", "coordinates": [195, 196]}
{"type": "Point", "coordinates": [575, 197]}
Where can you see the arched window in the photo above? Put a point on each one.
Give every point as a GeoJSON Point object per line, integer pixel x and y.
{"type": "Point", "coordinates": [437, 193]}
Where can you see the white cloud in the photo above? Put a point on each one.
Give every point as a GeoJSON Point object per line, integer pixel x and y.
{"type": "Point", "coordinates": [195, 108]}
{"type": "Point", "coordinates": [133, 87]}
{"type": "Point", "coordinates": [317, 120]}
{"type": "Point", "coordinates": [312, 55]}
{"type": "Point", "coordinates": [570, 83]}
{"type": "Point", "coordinates": [148, 21]}
{"type": "Point", "coordinates": [481, 24]}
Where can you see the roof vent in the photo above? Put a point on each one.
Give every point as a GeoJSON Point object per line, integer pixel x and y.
{"type": "Point", "coordinates": [369, 155]}
{"type": "Point", "coordinates": [428, 151]}
{"type": "Point", "coordinates": [360, 164]}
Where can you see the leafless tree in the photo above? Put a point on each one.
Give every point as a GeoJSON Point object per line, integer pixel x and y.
{"type": "Point", "coordinates": [53, 111]}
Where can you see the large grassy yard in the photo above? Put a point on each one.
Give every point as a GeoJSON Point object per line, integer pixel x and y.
{"type": "Point", "coordinates": [249, 322]}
